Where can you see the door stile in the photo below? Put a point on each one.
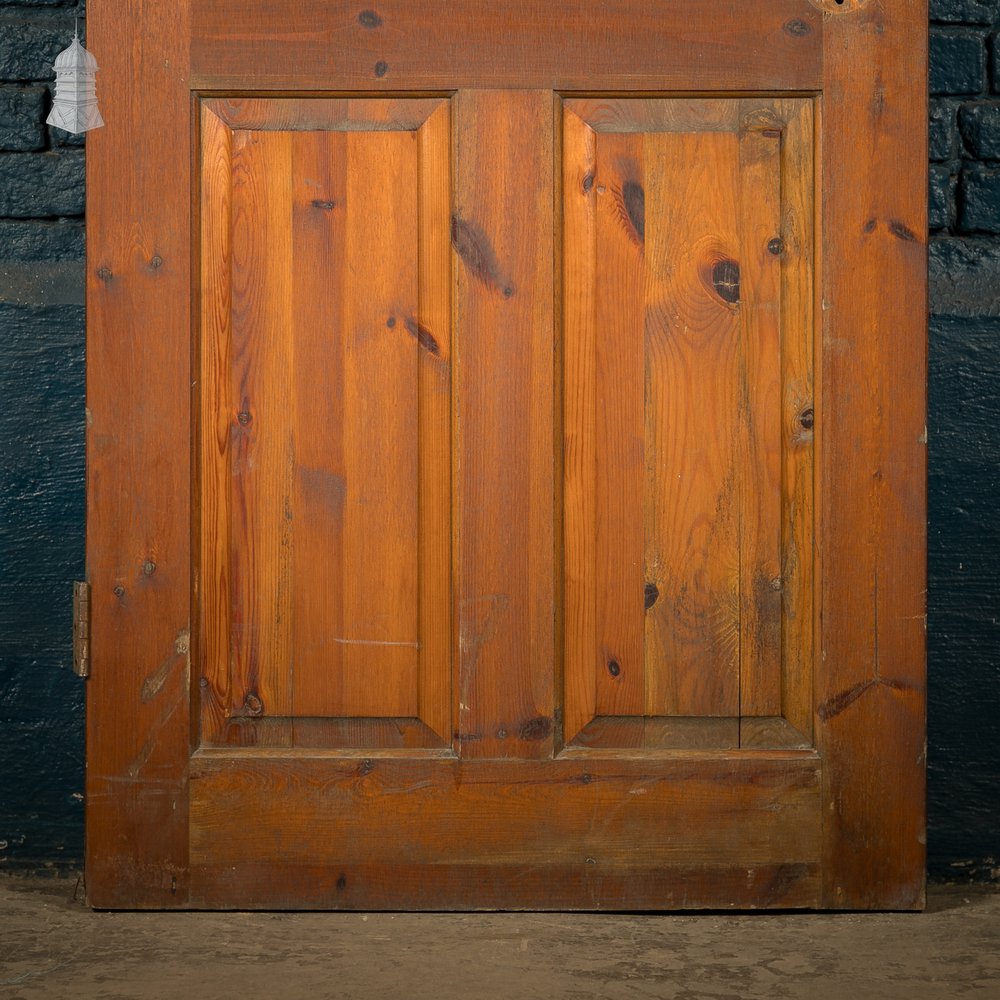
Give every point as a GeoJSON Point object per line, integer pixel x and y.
{"type": "Point", "coordinates": [870, 689]}
{"type": "Point", "coordinates": [138, 447]}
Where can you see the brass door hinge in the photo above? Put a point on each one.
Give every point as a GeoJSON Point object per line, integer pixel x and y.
{"type": "Point", "coordinates": [81, 629]}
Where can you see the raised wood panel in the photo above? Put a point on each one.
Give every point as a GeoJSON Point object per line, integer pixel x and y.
{"type": "Point", "coordinates": [687, 271]}
{"type": "Point", "coordinates": [325, 412]}
{"type": "Point", "coordinates": [444, 44]}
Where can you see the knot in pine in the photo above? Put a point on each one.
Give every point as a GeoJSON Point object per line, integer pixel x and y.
{"type": "Point", "coordinates": [726, 280]}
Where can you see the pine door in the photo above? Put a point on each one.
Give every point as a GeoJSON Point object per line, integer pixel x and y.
{"type": "Point", "coordinates": [506, 455]}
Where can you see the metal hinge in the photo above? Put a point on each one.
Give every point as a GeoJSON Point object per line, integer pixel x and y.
{"type": "Point", "coordinates": [81, 629]}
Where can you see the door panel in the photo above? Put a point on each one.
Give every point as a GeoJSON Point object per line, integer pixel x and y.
{"type": "Point", "coordinates": [687, 264]}
{"type": "Point", "coordinates": [576, 832]}
{"type": "Point", "coordinates": [505, 455]}
{"type": "Point", "coordinates": [325, 415]}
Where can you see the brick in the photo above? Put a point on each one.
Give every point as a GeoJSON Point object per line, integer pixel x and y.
{"type": "Point", "coordinates": [980, 200]}
{"type": "Point", "coordinates": [41, 241]}
{"type": "Point", "coordinates": [964, 276]}
{"type": "Point", "coordinates": [22, 113]}
{"type": "Point", "coordinates": [980, 126]}
{"type": "Point", "coordinates": [60, 139]}
{"type": "Point", "coordinates": [943, 130]}
{"type": "Point", "coordinates": [957, 62]}
{"type": "Point", "coordinates": [964, 11]}
{"type": "Point", "coordinates": [29, 45]}
{"type": "Point", "coordinates": [942, 196]}
{"type": "Point", "coordinates": [40, 185]}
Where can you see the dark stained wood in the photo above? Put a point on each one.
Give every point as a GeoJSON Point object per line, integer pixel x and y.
{"type": "Point", "coordinates": [361, 735]}
{"type": "Point", "coordinates": [686, 733]}
{"type": "Point", "coordinates": [580, 833]}
{"type": "Point", "coordinates": [257, 885]}
{"type": "Point", "coordinates": [503, 384]}
{"type": "Point", "coordinates": [870, 686]}
{"type": "Point", "coordinates": [138, 443]}
{"type": "Point", "coordinates": [444, 44]}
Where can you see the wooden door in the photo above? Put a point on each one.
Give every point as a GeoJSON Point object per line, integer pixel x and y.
{"type": "Point", "coordinates": [506, 454]}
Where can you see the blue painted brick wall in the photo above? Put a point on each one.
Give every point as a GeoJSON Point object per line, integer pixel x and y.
{"type": "Point", "coordinates": [964, 427]}
{"type": "Point", "coordinates": [41, 444]}
{"type": "Point", "coordinates": [42, 413]}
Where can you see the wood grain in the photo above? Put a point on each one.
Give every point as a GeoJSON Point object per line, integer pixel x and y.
{"type": "Point", "coordinates": [678, 733]}
{"type": "Point", "coordinates": [694, 368]}
{"type": "Point", "coordinates": [579, 387]}
{"type": "Point", "coordinates": [214, 421]}
{"type": "Point", "coordinates": [445, 44]}
{"type": "Point", "coordinates": [262, 457]}
{"type": "Point", "coordinates": [870, 683]}
{"type": "Point", "coordinates": [434, 374]}
{"type": "Point", "coordinates": [504, 368]}
{"type": "Point", "coordinates": [568, 833]}
{"type": "Point", "coordinates": [800, 202]}
{"type": "Point", "coordinates": [337, 416]}
{"type": "Point", "coordinates": [342, 736]}
{"type": "Point", "coordinates": [138, 442]}
{"type": "Point", "coordinates": [674, 279]}
{"type": "Point", "coordinates": [320, 422]}
{"type": "Point", "coordinates": [758, 396]}
{"type": "Point", "coordinates": [617, 200]}
{"type": "Point", "coordinates": [439, 206]}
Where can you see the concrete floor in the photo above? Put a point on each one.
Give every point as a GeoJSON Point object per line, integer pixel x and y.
{"type": "Point", "coordinates": [52, 946]}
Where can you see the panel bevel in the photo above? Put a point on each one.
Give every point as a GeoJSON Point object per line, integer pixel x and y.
{"type": "Point", "coordinates": [325, 344]}
{"type": "Point", "coordinates": [709, 203]}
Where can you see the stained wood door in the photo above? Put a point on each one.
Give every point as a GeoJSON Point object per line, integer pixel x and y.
{"type": "Point", "coordinates": [506, 455]}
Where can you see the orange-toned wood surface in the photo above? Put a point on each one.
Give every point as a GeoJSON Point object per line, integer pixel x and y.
{"type": "Point", "coordinates": [325, 409]}
{"type": "Point", "coordinates": [435, 481]}
{"type": "Point", "coordinates": [138, 448]}
{"type": "Point", "coordinates": [502, 236]}
{"type": "Point", "coordinates": [678, 253]}
{"type": "Point", "coordinates": [871, 421]}
{"type": "Point", "coordinates": [584, 833]}
{"type": "Point", "coordinates": [713, 45]}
